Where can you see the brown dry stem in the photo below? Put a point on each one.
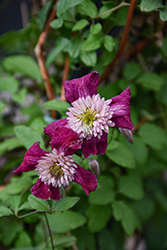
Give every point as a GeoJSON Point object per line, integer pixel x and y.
{"type": "Point", "coordinates": [41, 61]}
{"type": "Point", "coordinates": [123, 41]}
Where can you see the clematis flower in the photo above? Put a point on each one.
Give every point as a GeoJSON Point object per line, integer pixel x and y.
{"type": "Point", "coordinates": [91, 116]}
{"type": "Point", "coordinates": [57, 169]}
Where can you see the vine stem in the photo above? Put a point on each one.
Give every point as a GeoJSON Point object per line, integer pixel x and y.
{"type": "Point", "coordinates": [64, 78]}
{"type": "Point", "coordinates": [50, 234]}
{"type": "Point", "coordinates": [41, 61]}
{"type": "Point", "coordinates": [123, 41]}
{"type": "Point", "coordinates": [111, 10]}
{"type": "Point", "coordinates": [22, 216]}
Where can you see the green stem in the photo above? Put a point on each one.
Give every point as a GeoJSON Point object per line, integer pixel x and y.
{"type": "Point", "coordinates": [111, 10]}
{"type": "Point", "coordinates": [50, 234]}
{"type": "Point", "coordinates": [22, 216]}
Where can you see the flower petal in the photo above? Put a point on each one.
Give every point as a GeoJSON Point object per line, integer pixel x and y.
{"type": "Point", "coordinates": [51, 128]}
{"type": "Point", "coordinates": [81, 87]}
{"type": "Point", "coordinates": [31, 158]}
{"type": "Point", "coordinates": [95, 146]}
{"type": "Point", "coordinates": [66, 140]}
{"type": "Point", "coordinates": [43, 191]}
{"type": "Point", "coordinates": [86, 179]}
{"type": "Point", "coordinates": [120, 106]}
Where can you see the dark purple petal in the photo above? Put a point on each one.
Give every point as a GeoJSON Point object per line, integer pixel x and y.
{"type": "Point", "coordinates": [81, 87]}
{"type": "Point", "coordinates": [66, 140]}
{"type": "Point", "coordinates": [120, 105]}
{"type": "Point", "coordinates": [43, 191]}
{"type": "Point", "coordinates": [95, 146]}
{"type": "Point", "coordinates": [31, 158]}
{"type": "Point", "coordinates": [51, 128]}
{"type": "Point", "coordinates": [86, 179]}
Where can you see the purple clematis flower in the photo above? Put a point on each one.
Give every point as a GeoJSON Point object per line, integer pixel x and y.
{"type": "Point", "coordinates": [91, 116]}
{"type": "Point", "coordinates": [57, 169]}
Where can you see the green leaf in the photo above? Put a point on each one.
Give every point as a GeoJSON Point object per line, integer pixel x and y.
{"type": "Point", "coordinates": [10, 232]}
{"type": "Point", "coordinates": [120, 16]}
{"type": "Point", "coordinates": [14, 202]}
{"type": "Point", "coordinates": [87, 8]}
{"type": "Point", "coordinates": [65, 204]}
{"type": "Point", "coordinates": [80, 24]}
{"type": "Point", "coordinates": [18, 184]}
{"type": "Point", "coordinates": [153, 166]}
{"type": "Point", "coordinates": [128, 217]}
{"type": "Point", "coordinates": [61, 43]}
{"type": "Point", "coordinates": [74, 47]}
{"type": "Point", "coordinates": [23, 241]}
{"type": "Point", "coordinates": [64, 5]}
{"type": "Point", "coordinates": [23, 64]}
{"type": "Point", "coordinates": [25, 206]}
{"type": "Point", "coordinates": [2, 106]}
{"type": "Point", "coordinates": [57, 23]}
{"type": "Point", "coordinates": [146, 208]}
{"type": "Point", "coordinates": [109, 43]}
{"type": "Point", "coordinates": [95, 28]}
{"type": "Point", "coordinates": [138, 149]}
{"type": "Point", "coordinates": [27, 136]}
{"type": "Point", "coordinates": [104, 9]}
{"type": "Point", "coordinates": [149, 5]}
{"type": "Point", "coordinates": [43, 14]}
{"type": "Point", "coordinates": [93, 42]}
{"type": "Point", "coordinates": [163, 14]}
{"type": "Point", "coordinates": [38, 204]}
{"type": "Point", "coordinates": [119, 154]}
{"type": "Point", "coordinates": [132, 70]}
{"type": "Point", "coordinates": [98, 217]}
{"type": "Point", "coordinates": [104, 194]}
{"type": "Point", "coordinates": [4, 211]}
{"type": "Point", "coordinates": [63, 241]}
{"type": "Point", "coordinates": [20, 96]}
{"type": "Point", "coordinates": [153, 136]}
{"type": "Point", "coordinates": [131, 186]}
{"type": "Point", "coordinates": [9, 144]}
{"type": "Point", "coordinates": [65, 222]}
{"type": "Point", "coordinates": [89, 58]}
{"type": "Point", "coordinates": [151, 81]}
{"type": "Point", "coordinates": [8, 83]}
{"type": "Point", "coordinates": [57, 105]}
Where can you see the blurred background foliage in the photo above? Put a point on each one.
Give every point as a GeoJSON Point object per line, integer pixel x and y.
{"type": "Point", "coordinates": [129, 208]}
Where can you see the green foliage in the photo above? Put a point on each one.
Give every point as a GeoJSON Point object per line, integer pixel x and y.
{"type": "Point", "coordinates": [131, 193]}
{"type": "Point", "coordinates": [27, 136]}
{"type": "Point", "coordinates": [38, 204]}
{"type": "Point", "coordinates": [65, 204]}
{"type": "Point", "coordinates": [23, 64]}
{"type": "Point", "coordinates": [66, 221]}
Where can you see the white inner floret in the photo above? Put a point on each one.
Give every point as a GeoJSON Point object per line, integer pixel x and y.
{"type": "Point", "coordinates": [90, 116]}
{"type": "Point", "coordinates": [56, 169]}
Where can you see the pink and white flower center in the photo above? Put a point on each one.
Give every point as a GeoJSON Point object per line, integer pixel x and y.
{"type": "Point", "coordinates": [56, 169]}
{"type": "Point", "coordinates": [90, 116]}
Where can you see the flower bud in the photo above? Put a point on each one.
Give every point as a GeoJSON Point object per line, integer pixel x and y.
{"type": "Point", "coordinates": [94, 167]}
{"type": "Point", "coordinates": [127, 133]}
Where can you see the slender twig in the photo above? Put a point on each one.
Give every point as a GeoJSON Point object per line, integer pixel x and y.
{"type": "Point", "coordinates": [41, 60]}
{"type": "Point", "coordinates": [65, 77]}
{"type": "Point", "coordinates": [123, 41]}
{"type": "Point", "coordinates": [137, 47]}
{"type": "Point", "coordinates": [111, 10]}
{"type": "Point", "coordinates": [22, 216]}
{"type": "Point", "coordinates": [50, 234]}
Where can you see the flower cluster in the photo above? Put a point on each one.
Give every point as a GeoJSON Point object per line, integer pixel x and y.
{"type": "Point", "coordinates": [85, 128]}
